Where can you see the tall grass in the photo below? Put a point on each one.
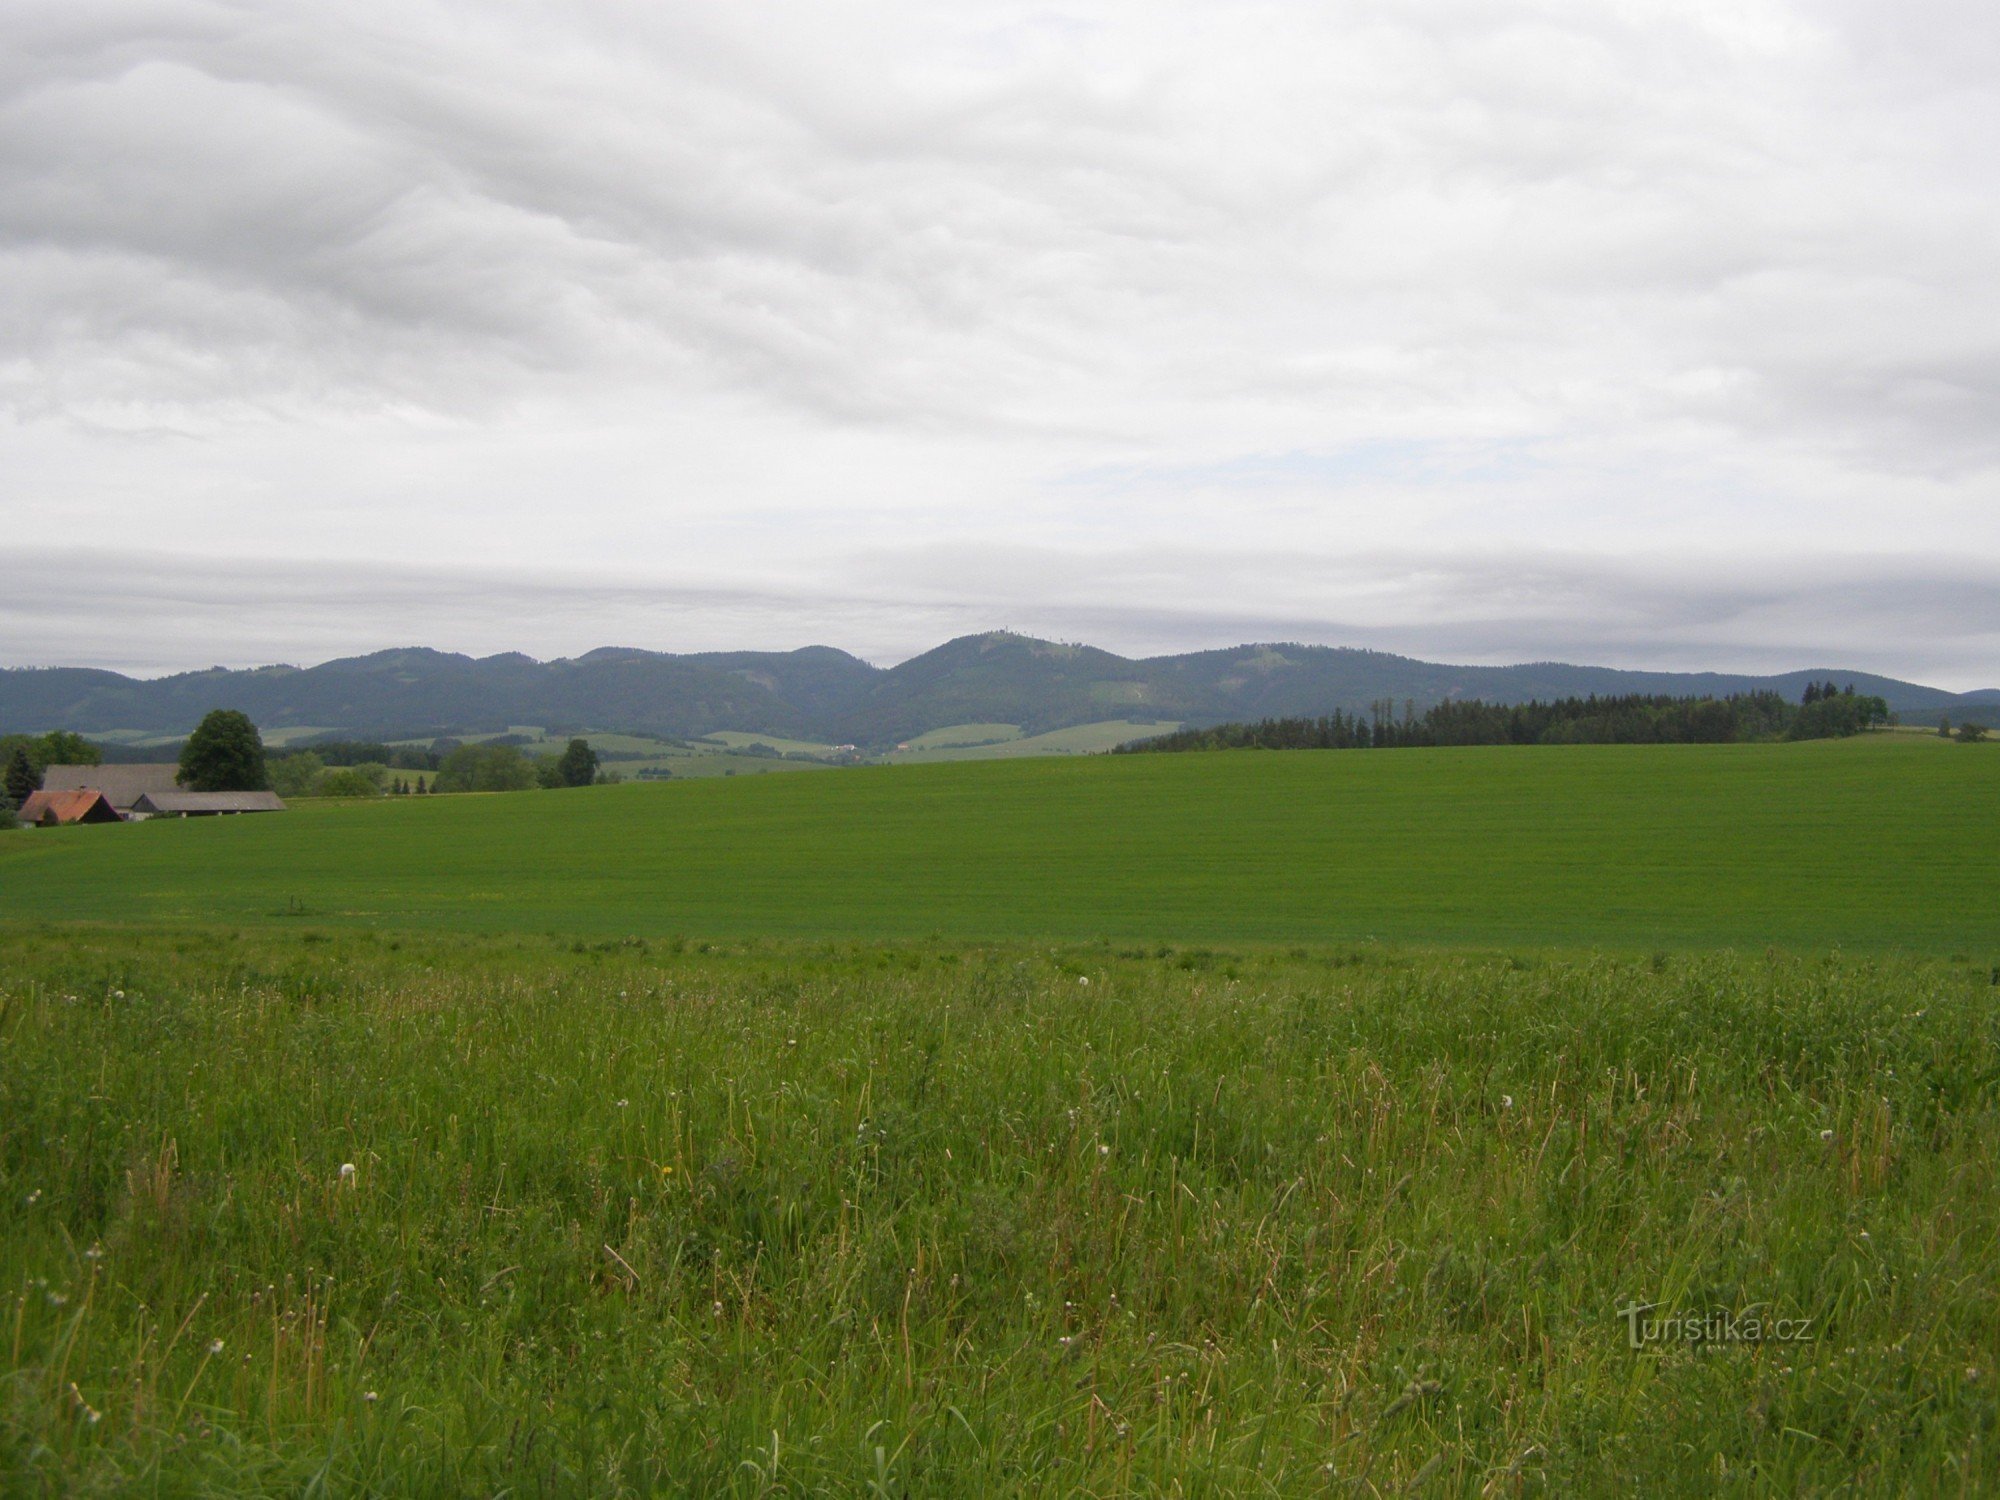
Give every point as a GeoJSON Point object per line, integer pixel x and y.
{"type": "Point", "coordinates": [937, 1219]}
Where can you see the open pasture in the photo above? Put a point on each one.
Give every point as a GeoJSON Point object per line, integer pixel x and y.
{"type": "Point", "coordinates": [1869, 844]}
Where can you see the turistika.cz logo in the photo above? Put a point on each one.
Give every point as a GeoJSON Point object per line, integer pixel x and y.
{"type": "Point", "coordinates": [1712, 1330]}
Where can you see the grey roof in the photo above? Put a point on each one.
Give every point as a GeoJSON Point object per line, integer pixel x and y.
{"type": "Point", "coordinates": [208, 802]}
{"type": "Point", "coordinates": [122, 785]}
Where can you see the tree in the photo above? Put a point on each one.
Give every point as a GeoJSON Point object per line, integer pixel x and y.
{"type": "Point", "coordinates": [1944, 726]}
{"type": "Point", "coordinates": [485, 768]}
{"type": "Point", "coordinates": [61, 747]}
{"type": "Point", "coordinates": [22, 777]}
{"type": "Point", "coordinates": [1971, 734]}
{"type": "Point", "coordinates": [347, 781]}
{"type": "Point", "coordinates": [293, 775]}
{"type": "Point", "coordinates": [578, 766]}
{"type": "Point", "coordinates": [224, 754]}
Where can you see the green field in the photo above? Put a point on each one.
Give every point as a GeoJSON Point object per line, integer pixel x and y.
{"type": "Point", "coordinates": [766, 1218]}
{"type": "Point", "coordinates": [1872, 843]}
{"type": "Point", "coordinates": [1006, 742]}
{"type": "Point", "coordinates": [1229, 1124]}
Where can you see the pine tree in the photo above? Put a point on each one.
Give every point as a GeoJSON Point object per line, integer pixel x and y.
{"type": "Point", "coordinates": [22, 777]}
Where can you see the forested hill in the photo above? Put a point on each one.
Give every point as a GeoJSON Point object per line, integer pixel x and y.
{"type": "Point", "coordinates": [828, 695]}
{"type": "Point", "coordinates": [1825, 711]}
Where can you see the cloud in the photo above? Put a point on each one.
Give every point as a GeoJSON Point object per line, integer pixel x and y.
{"type": "Point", "coordinates": [725, 293]}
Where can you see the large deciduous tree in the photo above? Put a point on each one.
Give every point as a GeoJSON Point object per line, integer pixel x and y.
{"type": "Point", "coordinates": [224, 754]}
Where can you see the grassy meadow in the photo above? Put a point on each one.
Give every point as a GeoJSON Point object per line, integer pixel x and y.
{"type": "Point", "coordinates": [1315, 1124]}
{"type": "Point", "coordinates": [780, 1218]}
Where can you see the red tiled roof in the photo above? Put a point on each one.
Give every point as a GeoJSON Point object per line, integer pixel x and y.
{"type": "Point", "coordinates": [64, 807]}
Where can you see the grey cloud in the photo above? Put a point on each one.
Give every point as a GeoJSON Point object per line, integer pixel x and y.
{"type": "Point", "coordinates": [1441, 282]}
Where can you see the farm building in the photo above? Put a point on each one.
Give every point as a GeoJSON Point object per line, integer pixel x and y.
{"type": "Point", "coordinates": [204, 804]}
{"type": "Point", "coordinates": [122, 786]}
{"type": "Point", "coordinates": [46, 809]}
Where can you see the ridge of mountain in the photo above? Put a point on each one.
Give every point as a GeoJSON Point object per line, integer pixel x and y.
{"type": "Point", "coordinates": [822, 693]}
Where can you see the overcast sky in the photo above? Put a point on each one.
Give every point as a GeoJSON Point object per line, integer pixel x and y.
{"type": "Point", "coordinates": [1644, 332]}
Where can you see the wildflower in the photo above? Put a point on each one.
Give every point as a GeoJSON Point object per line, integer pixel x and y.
{"type": "Point", "coordinates": [1826, 1135]}
{"type": "Point", "coordinates": [1103, 1149]}
{"type": "Point", "coordinates": [623, 1102]}
{"type": "Point", "coordinates": [1506, 1101]}
{"type": "Point", "coordinates": [369, 1396]}
{"type": "Point", "coordinates": [1084, 980]}
{"type": "Point", "coordinates": [215, 1346]}
{"type": "Point", "coordinates": [347, 1171]}
{"type": "Point", "coordinates": [117, 994]}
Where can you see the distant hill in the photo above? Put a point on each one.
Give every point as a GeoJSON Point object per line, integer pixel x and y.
{"type": "Point", "coordinates": [827, 695]}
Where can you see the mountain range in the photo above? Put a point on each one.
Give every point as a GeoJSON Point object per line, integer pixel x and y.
{"type": "Point", "coordinates": [819, 693]}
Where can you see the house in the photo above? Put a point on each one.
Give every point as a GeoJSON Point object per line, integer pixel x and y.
{"type": "Point", "coordinates": [46, 809]}
{"type": "Point", "coordinates": [122, 786]}
{"type": "Point", "coordinates": [204, 804]}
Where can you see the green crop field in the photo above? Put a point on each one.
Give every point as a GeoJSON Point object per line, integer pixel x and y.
{"type": "Point", "coordinates": [1868, 843]}
{"type": "Point", "coordinates": [1592, 1120]}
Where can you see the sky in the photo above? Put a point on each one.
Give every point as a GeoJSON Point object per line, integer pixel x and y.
{"type": "Point", "coordinates": [1658, 333]}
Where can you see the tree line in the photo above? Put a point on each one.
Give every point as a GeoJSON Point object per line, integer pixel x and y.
{"type": "Point", "coordinates": [1825, 712]}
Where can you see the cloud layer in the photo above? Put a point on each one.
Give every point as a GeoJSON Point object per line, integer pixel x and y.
{"type": "Point", "coordinates": [788, 304]}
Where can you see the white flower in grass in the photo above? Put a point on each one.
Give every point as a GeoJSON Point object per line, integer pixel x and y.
{"type": "Point", "coordinates": [369, 1396]}
{"type": "Point", "coordinates": [1084, 980]}
{"type": "Point", "coordinates": [1826, 1135]}
{"type": "Point", "coordinates": [347, 1173]}
{"type": "Point", "coordinates": [215, 1346]}
{"type": "Point", "coordinates": [1506, 1101]}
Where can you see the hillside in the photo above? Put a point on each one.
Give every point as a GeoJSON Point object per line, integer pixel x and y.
{"type": "Point", "coordinates": [823, 694]}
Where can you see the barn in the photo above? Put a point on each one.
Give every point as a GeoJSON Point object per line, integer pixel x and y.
{"type": "Point", "coordinates": [204, 804]}
{"type": "Point", "coordinates": [47, 809]}
{"type": "Point", "coordinates": [122, 786]}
